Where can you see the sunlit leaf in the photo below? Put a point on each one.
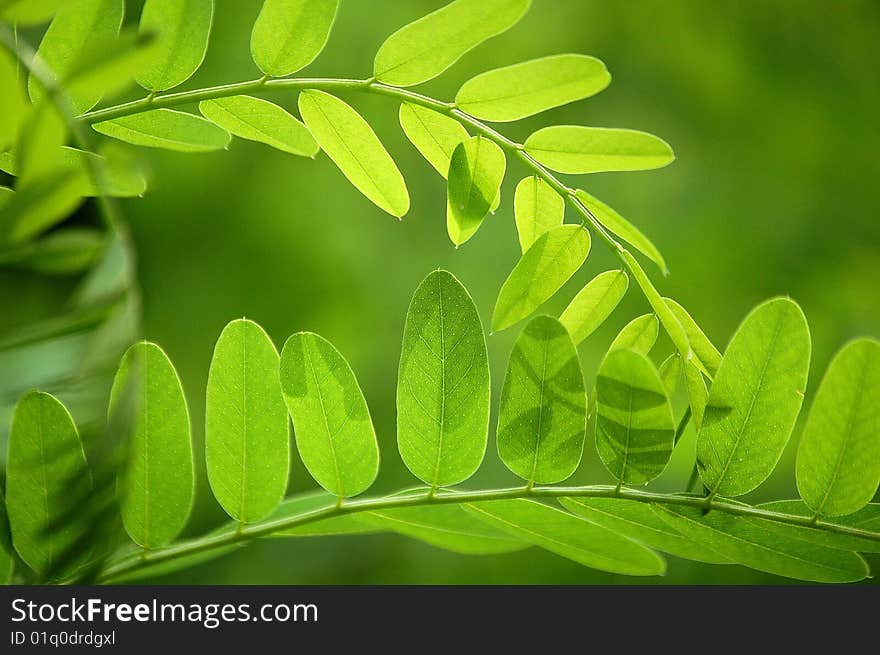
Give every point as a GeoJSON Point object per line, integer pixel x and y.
{"type": "Point", "coordinates": [593, 304]}
{"type": "Point", "coordinates": [543, 269]}
{"type": "Point", "coordinates": [168, 129]}
{"type": "Point", "coordinates": [434, 135]}
{"type": "Point", "coordinates": [289, 34]}
{"type": "Point", "coordinates": [428, 46]}
{"type": "Point", "coordinates": [247, 438]}
{"type": "Point", "coordinates": [755, 399]}
{"type": "Point", "coordinates": [334, 431]}
{"type": "Point", "coordinates": [640, 334]}
{"type": "Point", "coordinates": [543, 414]}
{"type": "Point", "coordinates": [353, 146]}
{"type": "Point", "coordinates": [521, 90]}
{"type": "Point", "coordinates": [28, 12]}
{"type": "Point", "coordinates": [703, 348]}
{"type": "Point", "coordinates": [537, 208]}
{"type": "Point", "coordinates": [838, 462]}
{"type": "Point", "coordinates": [577, 149]}
{"type": "Point", "coordinates": [256, 119]}
{"type": "Point", "coordinates": [13, 103]}
{"type": "Point", "coordinates": [698, 394]}
{"type": "Point", "coordinates": [157, 487]}
{"type": "Point", "coordinates": [443, 384]}
{"type": "Point", "coordinates": [670, 373]}
{"type": "Point", "coordinates": [475, 174]}
{"type": "Point", "coordinates": [183, 27]}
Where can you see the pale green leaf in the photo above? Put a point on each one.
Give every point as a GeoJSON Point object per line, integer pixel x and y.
{"type": "Point", "coordinates": [594, 303]}
{"type": "Point", "coordinates": [157, 488]}
{"type": "Point", "coordinates": [542, 419]}
{"type": "Point", "coordinates": [28, 12]}
{"type": "Point", "coordinates": [749, 543]}
{"type": "Point", "coordinates": [256, 119]}
{"type": "Point", "coordinates": [183, 27]}
{"type": "Point", "coordinates": [621, 227]}
{"type": "Point", "coordinates": [354, 147]}
{"type": "Point", "coordinates": [543, 269]}
{"type": "Point", "coordinates": [434, 135]}
{"type": "Point", "coordinates": [168, 129]}
{"type": "Point", "coordinates": [639, 522]}
{"type": "Point", "coordinates": [640, 334]}
{"type": "Point", "coordinates": [528, 88]}
{"type": "Point", "coordinates": [13, 103]}
{"type": "Point", "coordinates": [443, 384]}
{"type": "Point", "coordinates": [569, 536]}
{"type": "Point", "coordinates": [634, 423]}
{"type": "Point", "coordinates": [698, 394]}
{"type": "Point", "coordinates": [61, 252]}
{"type": "Point", "coordinates": [38, 153]}
{"type": "Point", "coordinates": [867, 518]}
{"type": "Point", "coordinates": [670, 373]}
{"type": "Point", "coordinates": [475, 174]}
{"type": "Point", "coordinates": [331, 421]}
{"type": "Point", "coordinates": [703, 348]}
{"type": "Point", "coordinates": [577, 149]}
{"type": "Point", "coordinates": [423, 49]}
{"type": "Point", "coordinates": [40, 205]}
{"type": "Point", "coordinates": [537, 208]}
{"type": "Point", "coordinates": [289, 34]}
{"type": "Point", "coordinates": [45, 468]}
{"type": "Point", "coordinates": [755, 399]}
{"type": "Point", "coordinates": [838, 462]}
{"type": "Point", "coordinates": [74, 27]}
{"type": "Point", "coordinates": [247, 436]}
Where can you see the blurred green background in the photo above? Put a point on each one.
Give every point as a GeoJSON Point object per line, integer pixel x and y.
{"type": "Point", "coordinates": [771, 108]}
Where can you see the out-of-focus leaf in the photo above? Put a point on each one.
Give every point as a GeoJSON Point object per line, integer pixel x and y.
{"type": "Point", "coordinates": [183, 27]}
{"type": "Point", "coordinates": [63, 252]}
{"type": "Point", "coordinates": [640, 334]}
{"type": "Point", "coordinates": [38, 206]}
{"type": "Point", "coordinates": [289, 34]}
{"type": "Point", "coordinates": [594, 303]}
{"type": "Point", "coordinates": [28, 12]}
{"type": "Point", "coordinates": [13, 103]}
{"type": "Point", "coordinates": [528, 88]}
{"type": "Point", "coordinates": [475, 174]}
{"type": "Point", "coordinates": [168, 129]}
{"type": "Point", "coordinates": [537, 208]}
{"type": "Point", "coordinates": [428, 46]}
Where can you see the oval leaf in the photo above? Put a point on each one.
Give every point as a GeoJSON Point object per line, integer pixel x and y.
{"type": "Point", "coordinates": [542, 420]}
{"type": "Point", "coordinates": [183, 27]}
{"type": "Point", "coordinates": [634, 427]}
{"type": "Point", "coordinates": [537, 208]}
{"type": "Point", "coordinates": [640, 334]}
{"type": "Point", "coordinates": [670, 372]}
{"type": "Point", "coordinates": [577, 149]}
{"type": "Point", "coordinates": [168, 129]}
{"type": "Point", "coordinates": [353, 146]}
{"type": "Point", "coordinates": [334, 431]}
{"type": "Point", "coordinates": [45, 470]}
{"type": "Point", "coordinates": [443, 384]}
{"type": "Point", "coordinates": [475, 174]}
{"type": "Point", "coordinates": [289, 34]}
{"type": "Point", "coordinates": [247, 437]}
{"type": "Point", "coordinates": [704, 349]}
{"type": "Point", "coordinates": [521, 90]}
{"type": "Point", "coordinates": [425, 48]}
{"type": "Point", "coordinates": [838, 462]}
{"type": "Point", "coordinates": [259, 120]}
{"type": "Point", "coordinates": [543, 269]}
{"type": "Point", "coordinates": [755, 399]}
{"type": "Point", "coordinates": [157, 487]}
{"type": "Point", "coordinates": [434, 135]}
{"type": "Point", "coordinates": [569, 536]}
{"type": "Point", "coordinates": [593, 304]}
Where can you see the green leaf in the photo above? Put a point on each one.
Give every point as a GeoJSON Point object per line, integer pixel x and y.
{"type": "Point", "coordinates": [577, 149]}
{"type": "Point", "coordinates": [41, 204]}
{"type": "Point", "coordinates": [621, 227]}
{"type": "Point", "coordinates": [749, 543]}
{"type": "Point", "coordinates": [334, 431]}
{"type": "Point", "coordinates": [443, 384]}
{"type": "Point", "coordinates": [634, 426]}
{"type": "Point", "coordinates": [62, 252]}
{"type": "Point", "coordinates": [434, 135]}
{"type": "Point", "coordinates": [45, 461]}
{"type": "Point", "coordinates": [537, 208]}
{"type": "Point", "coordinates": [543, 269]}
{"type": "Point", "coordinates": [247, 436]}
{"type": "Point", "coordinates": [867, 518]}
{"type": "Point", "coordinates": [39, 150]}
{"type": "Point", "coordinates": [259, 120]}
{"type": "Point", "coordinates": [289, 34]}
{"type": "Point", "coordinates": [7, 557]}
{"type": "Point", "coordinates": [28, 12]}
{"type": "Point", "coordinates": [168, 129]}
{"type": "Point", "coordinates": [13, 104]}
{"type": "Point", "coordinates": [309, 503]}
{"type": "Point", "coordinates": [698, 394]}
{"type": "Point", "coordinates": [542, 419]}
{"type": "Point", "coordinates": [528, 88]}
{"type": "Point", "coordinates": [183, 27]}
{"type": "Point", "coordinates": [670, 372]}
{"type": "Point", "coordinates": [475, 174]}
{"type": "Point", "coordinates": [639, 522]}
{"type": "Point", "coordinates": [838, 462]}
{"type": "Point", "coordinates": [353, 146]}
{"type": "Point", "coordinates": [640, 334]}
{"type": "Point", "coordinates": [704, 349]}
{"type": "Point", "coordinates": [74, 27]}
{"type": "Point", "coordinates": [755, 399]}
{"type": "Point", "coordinates": [158, 485]}
{"type": "Point", "coordinates": [569, 536]}
{"type": "Point", "coordinates": [428, 46]}
{"type": "Point", "coordinates": [594, 303]}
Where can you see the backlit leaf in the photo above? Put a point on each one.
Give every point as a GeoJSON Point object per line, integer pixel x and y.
{"type": "Point", "coordinates": [698, 394]}
{"type": "Point", "coordinates": [168, 129]}
{"type": "Point", "coordinates": [537, 208]}
{"type": "Point", "coordinates": [704, 349]}
{"type": "Point", "coordinates": [434, 135]}
{"type": "Point", "coordinates": [867, 518]}
{"type": "Point", "coordinates": [28, 12]}
{"type": "Point", "coordinates": [289, 34]}
{"type": "Point", "coordinates": [670, 372]}
{"type": "Point", "coordinates": [183, 27]}
{"type": "Point", "coordinates": [640, 334]}
{"type": "Point", "coordinates": [475, 174]}
{"type": "Point", "coordinates": [593, 304]}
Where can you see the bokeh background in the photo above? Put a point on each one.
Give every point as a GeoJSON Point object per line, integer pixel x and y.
{"type": "Point", "coordinates": [771, 108]}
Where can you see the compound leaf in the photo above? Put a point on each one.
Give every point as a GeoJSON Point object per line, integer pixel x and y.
{"type": "Point", "coordinates": [289, 34]}
{"type": "Point", "coordinates": [593, 304]}
{"type": "Point", "coordinates": [184, 27]}
{"type": "Point", "coordinates": [537, 208]}
{"type": "Point", "coordinates": [475, 174]}
{"type": "Point", "coordinates": [434, 135]}
{"type": "Point", "coordinates": [168, 129]}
